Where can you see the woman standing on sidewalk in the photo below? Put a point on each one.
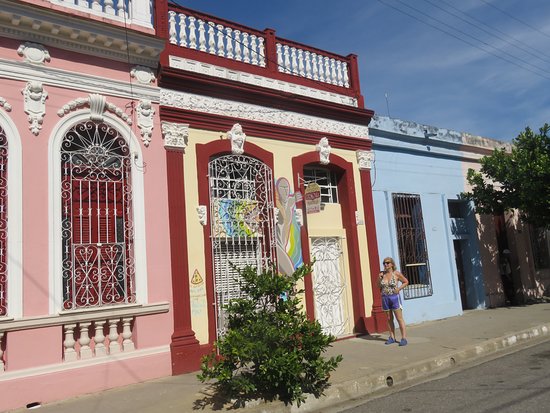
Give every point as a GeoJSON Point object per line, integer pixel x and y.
{"type": "Point", "coordinates": [388, 281]}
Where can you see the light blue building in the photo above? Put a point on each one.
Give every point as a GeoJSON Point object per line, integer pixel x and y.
{"type": "Point", "coordinates": [418, 175]}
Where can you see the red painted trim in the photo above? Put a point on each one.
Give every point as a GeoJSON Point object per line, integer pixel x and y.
{"type": "Point", "coordinates": [354, 80]}
{"type": "Point", "coordinates": [204, 153]}
{"type": "Point", "coordinates": [217, 123]}
{"type": "Point", "coordinates": [183, 344]}
{"type": "Point", "coordinates": [201, 84]}
{"type": "Point", "coordinates": [348, 204]}
{"type": "Point", "coordinates": [377, 321]}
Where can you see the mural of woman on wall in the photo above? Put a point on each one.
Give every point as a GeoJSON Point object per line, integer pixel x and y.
{"type": "Point", "coordinates": [289, 247]}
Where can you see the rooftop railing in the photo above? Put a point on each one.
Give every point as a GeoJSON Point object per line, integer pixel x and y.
{"type": "Point", "coordinates": [199, 36]}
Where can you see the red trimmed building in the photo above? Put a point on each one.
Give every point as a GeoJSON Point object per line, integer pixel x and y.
{"type": "Point", "coordinates": [268, 159]}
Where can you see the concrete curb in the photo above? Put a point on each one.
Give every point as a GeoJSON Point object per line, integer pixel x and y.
{"type": "Point", "coordinates": [349, 390]}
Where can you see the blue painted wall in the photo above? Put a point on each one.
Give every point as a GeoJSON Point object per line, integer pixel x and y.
{"type": "Point", "coordinates": [415, 159]}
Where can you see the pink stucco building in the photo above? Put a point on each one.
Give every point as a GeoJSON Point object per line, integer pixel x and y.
{"type": "Point", "coordinates": [85, 282]}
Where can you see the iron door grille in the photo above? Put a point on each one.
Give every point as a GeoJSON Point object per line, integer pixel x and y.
{"type": "Point", "coordinates": [3, 223]}
{"type": "Point", "coordinates": [411, 241]}
{"type": "Point", "coordinates": [97, 218]}
{"type": "Point", "coordinates": [241, 223]}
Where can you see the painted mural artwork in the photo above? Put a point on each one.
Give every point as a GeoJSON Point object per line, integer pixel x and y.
{"type": "Point", "coordinates": [289, 246]}
{"type": "Point", "coordinates": [236, 217]}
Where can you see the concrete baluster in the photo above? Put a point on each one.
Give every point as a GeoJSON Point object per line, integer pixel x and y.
{"type": "Point", "coordinates": [172, 33]}
{"type": "Point", "coordinates": [261, 51]}
{"type": "Point", "coordinates": [339, 73]}
{"type": "Point", "coordinates": [238, 48]}
{"type": "Point", "coordinates": [84, 341]}
{"type": "Point", "coordinates": [127, 343]}
{"type": "Point", "coordinates": [246, 50]}
{"type": "Point", "coordinates": [220, 46]}
{"type": "Point", "coordinates": [315, 67]}
{"type": "Point", "coordinates": [280, 62]}
{"type": "Point", "coordinates": [253, 48]}
{"type": "Point", "coordinates": [211, 38]}
{"type": "Point", "coordinates": [183, 30]}
{"type": "Point", "coordinates": [333, 72]}
{"type": "Point", "coordinates": [2, 366]}
{"type": "Point", "coordinates": [287, 58]}
{"type": "Point", "coordinates": [294, 61]}
{"type": "Point", "coordinates": [69, 353]}
{"type": "Point", "coordinates": [99, 339]}
{"type": "Point", "coordinates": [114, 346]}
{"type": "Point", "coordinates": [229, 42]}
{"type": "Point", "coordinates": [192, 33]}
{"type": "Point", "coordinates": [202, 37]}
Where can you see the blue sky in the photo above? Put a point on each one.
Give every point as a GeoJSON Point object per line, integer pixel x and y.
{"type": "Point", "coordinates": [476, 66]}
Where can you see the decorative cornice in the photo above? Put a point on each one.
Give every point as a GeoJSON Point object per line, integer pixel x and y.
{"type": "Point", "coordinates": [258, 113]}
{"type": "Point", "coordinates": [175, 135]}
{"type": "Point", "coordinates": [98, 105]}
{"type": "Point", "coordinates": [88, 36]}
{"type": "Point", "coordinates": [23, 71]}
{"type": "Point", "coordinates": [257, 80]}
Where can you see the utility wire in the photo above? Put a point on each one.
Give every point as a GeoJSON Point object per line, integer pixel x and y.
{"type": "Point", "coordinates": [462, 39]}
{"type": "Point", "coordinates": [515, 18]}
{"type": "Point", "coordinates": [475, 38]}
{"type": "Point", "coordinates": [482, 28]}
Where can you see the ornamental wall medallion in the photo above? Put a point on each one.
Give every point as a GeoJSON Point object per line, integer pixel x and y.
{"type": "Point", "coordinates": [143, 75]}
{"type": "Point", "coordinates": [324, 151]}
{"type": "Point", "coordinates": [145, 112]}
{"type": "Point", "coordinates": [34, 53]}
{"type": "Point", "coordinates": [34, 97]}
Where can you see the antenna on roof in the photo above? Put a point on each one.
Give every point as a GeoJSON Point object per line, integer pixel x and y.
{"type": "Point", "coordinates": [387, 104]}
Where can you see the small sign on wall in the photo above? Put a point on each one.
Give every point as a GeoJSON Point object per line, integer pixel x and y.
{"type": "Point", "coordinates": [312, 196]}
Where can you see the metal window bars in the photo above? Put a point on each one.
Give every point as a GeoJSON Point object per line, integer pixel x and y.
{"type": "Point", "coordinates": [327, 181]}
{"type": "Point", "coordinates": [411, 240]}
{"type": "Point", "coordinates": [242, 224]}
{"type": "Point", "coordinates": [97, 218]}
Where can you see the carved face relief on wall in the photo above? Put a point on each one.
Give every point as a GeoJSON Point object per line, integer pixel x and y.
{"type": "Point", "coordinates": [238, 138]}
{"type": "Point", "coordinates": [145, 112]}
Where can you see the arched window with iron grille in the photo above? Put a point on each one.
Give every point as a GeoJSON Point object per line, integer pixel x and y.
{"type": "Point", "coordinates": [242, 223]}
{"type": "Point", "coordinates": [97, 217]}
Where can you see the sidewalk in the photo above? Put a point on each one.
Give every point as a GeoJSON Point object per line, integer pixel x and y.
{"type": "Point", "coordinates": [368, 365]}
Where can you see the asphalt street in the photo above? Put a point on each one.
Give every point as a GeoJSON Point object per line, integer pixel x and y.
{"type": "Point", "coordinates": [518, 382]}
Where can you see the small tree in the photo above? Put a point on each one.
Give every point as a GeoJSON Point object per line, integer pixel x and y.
{"type": "Point", "coordinates": [519, 179]}
{"type": "Point", "coordinates": [270, 350]}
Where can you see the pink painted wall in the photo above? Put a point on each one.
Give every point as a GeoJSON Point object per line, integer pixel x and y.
{"type": "Point", "coordinates": [44, 388]}
{"type": "Point", "coordinates": [152, 331]}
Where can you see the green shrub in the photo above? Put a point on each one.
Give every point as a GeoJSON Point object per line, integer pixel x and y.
{"type": "Point", "coordinates": [270, 350]}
